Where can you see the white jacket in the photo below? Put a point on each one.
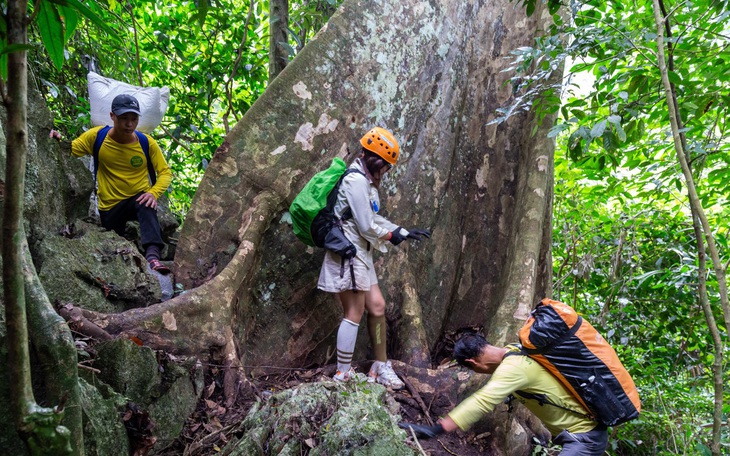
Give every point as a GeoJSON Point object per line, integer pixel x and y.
{"type": "Point", "coordinates": [366, 226]}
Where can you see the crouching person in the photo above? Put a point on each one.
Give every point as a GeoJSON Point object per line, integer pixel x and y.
{"type": "Point", "coordinates": [530, 383]}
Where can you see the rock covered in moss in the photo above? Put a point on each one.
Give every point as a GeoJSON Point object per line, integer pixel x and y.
{"type": "Point", "coordinates": [323, 418]}
{"type": "Point", "coordinates": [104, 432]}
{"type": "Point", "coordinates": [95, 269]}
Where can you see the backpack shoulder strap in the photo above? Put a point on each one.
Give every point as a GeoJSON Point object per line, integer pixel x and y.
{"type": "Point", "coordinates": [350, 171]}
{"type": "Point", "coordinates": [100, 137]}
{"type": "Point", "coordinates": [144, 142]}
{"type": "Point", "coordinates": [568, 334]}
{"type": "Point", "coordinates": [542, 399]}
{"type": "Point", "coordinates": [332, 197]}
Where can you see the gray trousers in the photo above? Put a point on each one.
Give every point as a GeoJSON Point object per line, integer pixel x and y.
{"type": "Point", "coordinates": [591, 443]}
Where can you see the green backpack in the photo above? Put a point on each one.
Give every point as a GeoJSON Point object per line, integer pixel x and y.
{"type": "Point", "coordinates": [312, 211]}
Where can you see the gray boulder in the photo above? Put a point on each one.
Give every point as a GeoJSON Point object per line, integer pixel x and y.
{"type": "Point", "coordinates": [323, 418]}
{"type": "Point", "coordinates": [95, 269]}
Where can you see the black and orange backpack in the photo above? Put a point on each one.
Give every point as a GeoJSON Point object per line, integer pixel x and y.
{"type": "Point", "coordinates": [580, 358]}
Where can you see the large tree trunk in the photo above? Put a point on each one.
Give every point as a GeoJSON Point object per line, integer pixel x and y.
{"type": "Point", "coordinates": [432, 73]}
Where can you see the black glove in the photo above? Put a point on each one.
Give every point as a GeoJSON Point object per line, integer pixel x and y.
{"type": "Point", "coordinates": [422, 431]}
{"type": "Point", "coordinates": [396, 237]}
{"type": "Point", "coordinates": [418, 234]}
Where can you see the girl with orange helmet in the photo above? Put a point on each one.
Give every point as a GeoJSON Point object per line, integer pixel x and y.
{"type": "Point", "coordinates": [357, 206]}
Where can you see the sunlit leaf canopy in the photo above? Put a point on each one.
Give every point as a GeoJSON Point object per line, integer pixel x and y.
{"type": "Point", "coordinates": [616, 123]}
{"type": "Point", "coordinates": [625, 251]}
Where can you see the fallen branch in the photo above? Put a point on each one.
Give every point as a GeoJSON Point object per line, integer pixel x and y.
{"type": "Point", "coordinates": [446, 449]}
{"type": "Point", "coordinates": [89, 368]}
{"type": "Point", "coordinates": [207, 440]}
{"type": "Point", "coordinates": [76, 320]}
{"type": "Point", "coordinates": [417, 397]}
{"type": "Point", "coordinates": [415, 439]}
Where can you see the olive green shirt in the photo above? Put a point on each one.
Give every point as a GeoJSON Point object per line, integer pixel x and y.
{"type": "Point", "coordinates": [524, 374]}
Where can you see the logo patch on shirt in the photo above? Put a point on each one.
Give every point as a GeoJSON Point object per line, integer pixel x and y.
{"type": "Point", "coordinates": [136, 161]}
{"type": "Point", "coordinates": [375, 206]}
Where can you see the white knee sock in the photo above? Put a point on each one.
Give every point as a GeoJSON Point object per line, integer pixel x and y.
{"type": "Point", "coordinates": [346, 338]}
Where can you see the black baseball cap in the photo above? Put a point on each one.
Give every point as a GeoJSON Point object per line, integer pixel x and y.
{"type": "Point", "coordinates": [124, 103]}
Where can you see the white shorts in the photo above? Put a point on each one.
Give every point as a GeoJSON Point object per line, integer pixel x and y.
{"type": "Point", "coordinates": [334, 279]}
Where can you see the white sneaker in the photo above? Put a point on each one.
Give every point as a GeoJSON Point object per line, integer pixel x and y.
{"type": "Point", "coordinates": [382, 372]}
{"type": "Point", "coordinates": [344, 376]}
{"type": "Point", "coordinates": [373, 374]}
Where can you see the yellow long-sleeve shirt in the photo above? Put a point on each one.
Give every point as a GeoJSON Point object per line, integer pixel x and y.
{"type": "Point", "coordinates": [524, 374]}
{"type": "Point", "coordinates": [123, 168]}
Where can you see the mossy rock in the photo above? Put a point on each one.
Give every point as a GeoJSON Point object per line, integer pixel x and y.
{"type": "Point", "coordinates": [130, 370]}
{"type": "Point", "coordinates": [182, 383]}
{"type": "Point", "coordinates": [95, 269]}
{"type": "Point", "coordinates": [104, 431]}
{"type": "Point", "coordinates": [324, 418]}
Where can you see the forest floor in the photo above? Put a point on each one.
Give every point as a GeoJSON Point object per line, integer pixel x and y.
{"type": "Point", "coordinates": [213, 425]}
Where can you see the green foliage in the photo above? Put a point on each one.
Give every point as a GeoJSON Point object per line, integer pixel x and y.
{"type": "Point", "coordinates": [624, 249]}
{"type": "Point", "coordinates": [630, 264]}
{"type": "Point", "coordinates": [674, 419]}
{"type": "Point", "coordinates": [56, 21]}
{"type": "Point", "coordinates": [623, 117]}
{"type": "Point", "coordinates": [213, 55]}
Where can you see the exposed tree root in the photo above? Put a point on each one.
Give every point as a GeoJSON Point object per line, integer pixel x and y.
{"type": "Point", "coordinates": [54, 345]}
{"type": "Point", "coordinates": [199, 319]}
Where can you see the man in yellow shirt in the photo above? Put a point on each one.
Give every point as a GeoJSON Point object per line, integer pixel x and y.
{"type": "Point", "coordinates": [125, 192]}
{"type": "Point", "coordinates": [564, 416]}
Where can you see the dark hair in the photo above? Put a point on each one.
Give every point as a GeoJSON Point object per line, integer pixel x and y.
{"type": "Point", "coordinates": [469, 346]}
{"type": "Point", "coordinates": [372, 161]}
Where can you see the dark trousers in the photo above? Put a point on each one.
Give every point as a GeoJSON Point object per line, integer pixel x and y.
{"type": "Point", "coordinates": [116, 219]}
{"type": "Point", "coordinates": [591, 443]}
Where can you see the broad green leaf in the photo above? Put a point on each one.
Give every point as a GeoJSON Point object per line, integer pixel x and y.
{"type": "Point", "coordinates": [87, 13]}
{"type": "Point", "coordinates": [51, 30]}
{"type": "Point", "coordinates": [553, 6]}
{"type": "Point", "coordinates": [557, 129]}
{"type": "Point", "coordinates": [574, 146]}
{"type": "Point", "coordinates": [530, 7]}
{"type": "Point", "coordinates": [598, 129]}
{"type": "Point", "coordinates": [637, 82]}
{"type": "Point", "coordinates": [7, 50]}
{"type": "Point", "coordinates": [674, 78]}
{"type": "Point", "coordinates": [16, 48]}
{"type": "Point", "coordinates": [578, 113]}
{"type": "Point", "coordinates": [70, 21]}
{"type": "Point", "coordinates": [610, 141]}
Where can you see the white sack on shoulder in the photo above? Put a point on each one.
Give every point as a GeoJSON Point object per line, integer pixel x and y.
{"type": "Point", "coordinates": [152, 101]}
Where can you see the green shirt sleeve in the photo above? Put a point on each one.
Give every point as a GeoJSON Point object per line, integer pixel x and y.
{"type": "Point", "coordinates": [522, 373]}
{"type": "Point", "coordinates": [510, 376]}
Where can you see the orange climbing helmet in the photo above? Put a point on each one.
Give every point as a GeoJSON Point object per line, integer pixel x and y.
{"type": "Point", "coordinates": [382, 143]}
